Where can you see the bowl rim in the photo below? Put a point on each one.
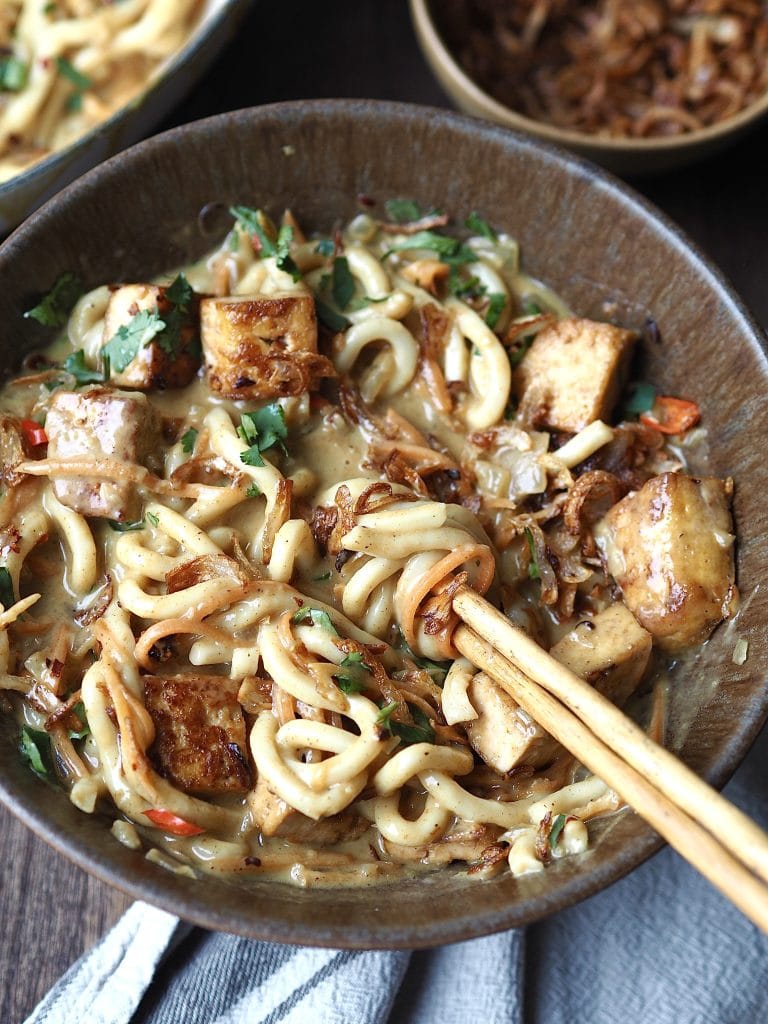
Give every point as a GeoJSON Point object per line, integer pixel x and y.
{"type": "Point", "coordinates": [29, 176]}
{"type": "Point", "coordinates": [167, 891]}
{"type": "Point", "coordinates": [494, 109]}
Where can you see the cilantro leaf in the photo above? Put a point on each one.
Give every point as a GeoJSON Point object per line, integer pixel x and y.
{"type": "Point", "coordinates": [188, 441]}
{"type": "Point", "coordinates": [125, 527]}
{"type": "Point", "coordinates": [470, 287]}
{"type": "Point", "coordinates": [179, 292]}
{"type": "Point", "coordinates": [333, 321]}
{"type": "Point", "coordinates": [421, 732]}
{"type": "Point", "coordinates": [250, 221]}
{"type": "Point", "coordinates": [516, 357]}
{"type": "Point", "coordinates": [450, 250]}
{"type": "Point", "coordinates": [316, 616]}
{"type": "Point", "coordinates": [262, 429]}
{"type": "Point", "coordinates": [55, 307]}
{"type": "Point", "coordinates": [353, 678]}
{"type": "Point", "coordinates": [496, 304]}
{"type": "Point", "coordinates": [557, 827]}
{"type": "Point", "coordinates": [531, 308]}
{"type": "Point", "coordinates": [438, 670]}
{"type": "Point", "coordinates": [68, 70]}
{"type": "Point", "coordinates": [342, 282]}
{"type": "Point", "coordinates": [384, 716]}
{"type": "Point", "coordinates": [480, 226]}
{"type": "Point", "coordinates": [83, 374]}
{"type": "Point", "coordinates": [325, 247]}
{"type": "Point", "coordinates": [79, 711]}
{"type": "Point", "coordinates": [402, 211]}
{"type": "Point", "coordinates": [152, 518]}
{"type": "Point", "coordinates": [640, 399]}
{"type": "Point", "coordinates": [324, 576]}
{"type": "Point", "coordinates": [13, 74]}
{"type": "Point", "coordinates": [534, 572]}
{"type": "Point", "coordinates": [36, 750]}
{"type": "Point", "coordinates": [6, 588]}
{"type": "Point", "coordinates": [253, 490]}
{"type": "Point", "coordinates": [122, 348]}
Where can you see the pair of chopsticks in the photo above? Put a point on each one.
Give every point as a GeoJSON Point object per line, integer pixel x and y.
{"type": "Point", "coordinates": [713, 835]}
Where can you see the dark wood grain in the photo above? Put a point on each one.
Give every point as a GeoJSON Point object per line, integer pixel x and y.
{"type": "Point", "coordinates": [51, 911]}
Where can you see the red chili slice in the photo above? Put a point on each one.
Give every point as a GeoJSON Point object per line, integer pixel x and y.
{"type": "Point", "coordinates": [172, 823]}
{"type": "Point", "coordinates": [34, 434]}
{"type": "Point", "coordinates": [671, 415]}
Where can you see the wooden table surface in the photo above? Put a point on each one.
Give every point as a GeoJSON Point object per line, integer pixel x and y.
{"type": "Point", "coordinates": [51, 911]}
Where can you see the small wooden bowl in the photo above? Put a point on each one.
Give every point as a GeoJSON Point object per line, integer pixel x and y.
{"type": "Point", "coordinates": [632, 157]}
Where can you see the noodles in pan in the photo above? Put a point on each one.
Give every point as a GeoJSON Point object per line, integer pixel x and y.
{"type": "Point", "coordinates": [237, 503]}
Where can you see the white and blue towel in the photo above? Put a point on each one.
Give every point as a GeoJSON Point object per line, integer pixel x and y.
{"type": "Point", "coordinates": [659, 947]}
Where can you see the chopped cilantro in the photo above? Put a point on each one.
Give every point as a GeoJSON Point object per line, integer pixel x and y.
{"type": "Point", "coordinates": [262, 429]}
{"type": "Point", "coordinates": [324, 576]}
{"type": "Point", "coordinates": [383, 717]}
{"type": "Point", "coordinates": [6, 588]}
{"type": "Point", "coordinates": [465, 288]}
{"type": "Point", "coordinates": [79, 711]}
{"type": "Point", "coordinates": [70, 72]}
{"type": "Point", "coordinates": [438, 670]}
{"type": "Point", "coordinates": [353, 678]}
{"type": "Point", "coordinates": [516, 357]}
{"type": "Point", "coordinates": [253, 491]}
{"type": "Point", "coordinates": [36, 750]}
{"type": "Point", "coordinates": [402, 211]}
{"type": "Point", "coordinates": [330, 318]}
{"type": "Point", "coordinates": [342, 282]}
{"type": "Point", "coordinates": [641, 398]}
{"type": "Point", "coordinates": [480, 226]}
{"type": "Point", "coordinates": [125, 527]}
{"type": "Point", "coordinates": [533, 566]}
{"type": "Point", "coordinates": [496, 305]}
{"type": "Point", "coordinates": [450, 250]}
{"type": "Point", "coordinates": [123, 346]}
{"type": "Point", "coordinates": [531, 308]}
{"type": "Point", "coordinates": [152, 518]}
{"type": "Point", "coordinates": [251, 221]}
{"type": "Point", "coordinates": [180, 292]}
{"type": "Point", "coordinates": [13, 74]}
{"type": "Point", "coordinates": [188, 441]}
{"type": "Point", "coordinates": [557, 827]}
{"type": "Point", "coordinates": [421, 732]}
{"type": "Point", "coordinates": [83, 374]}
{"type": "Point", "coordinates": [53, 310]}
{"type": "Point", "coordinates": [325, 247]}
{"type": "Point", "coordinates": [317, 617]}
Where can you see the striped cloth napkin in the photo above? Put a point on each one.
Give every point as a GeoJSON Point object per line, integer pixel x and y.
{"type": "Point", "coordinates": [658, 947]}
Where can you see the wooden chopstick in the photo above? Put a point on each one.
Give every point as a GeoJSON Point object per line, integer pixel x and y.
{"type": "Point", "coordinates": [713, 835]}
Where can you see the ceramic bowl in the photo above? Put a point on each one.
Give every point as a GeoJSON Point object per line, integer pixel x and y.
{"type": "Point", "coordinates": [26, 191]}
{"type": "Point", "coordinates": [630, 157]}
{"type": "Point", "coordinates": [605, 250]}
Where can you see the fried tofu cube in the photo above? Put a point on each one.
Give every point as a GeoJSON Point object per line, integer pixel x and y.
{"type": "Point", "coordinates": [169, 360]}
{"type": "Point", "coordinates": [573, 374]}
{"type": "Point", "coordinates": [200, 742]}
{"type": "Point", "coordinates": [261, 346]}
{"type": "Point", "coordinates": [610, 651]}
{"type": "Point", "coordinates": [503, 734]}
{"type": "Point", "coordinates": [274, 817]}
{"type": "Point", "coordinates": [669, 546]}
{"type": "Point", "coordinates": [95, 424]}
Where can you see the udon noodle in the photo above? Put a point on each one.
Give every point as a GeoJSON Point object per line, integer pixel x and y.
{"type": "Point", "coordinates": [237, 504]}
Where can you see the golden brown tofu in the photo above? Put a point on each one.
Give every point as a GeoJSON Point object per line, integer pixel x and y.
{"type": "Point", "coordinates": [572, 374]}
{"type": "Point", "coordinates": [95, 424]}
{"type": "Point", "coordinates": [262, 346]}
{"type": "Point", "coordinates": [669, 546]}
{"type": "Point", "coordinates": [274, 817]}
{"type": "Point", "coordinates": [503, 734]}
{"type": "Point", "coordinates": [200, 742]}
{"type": "Point", "coordinates": [168, 361]}
{"type": "Point", "coordinates": [610, 651]}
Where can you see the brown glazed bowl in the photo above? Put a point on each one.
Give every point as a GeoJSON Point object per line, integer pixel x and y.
{"type": "Point", "coordinates": [603, 249]}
